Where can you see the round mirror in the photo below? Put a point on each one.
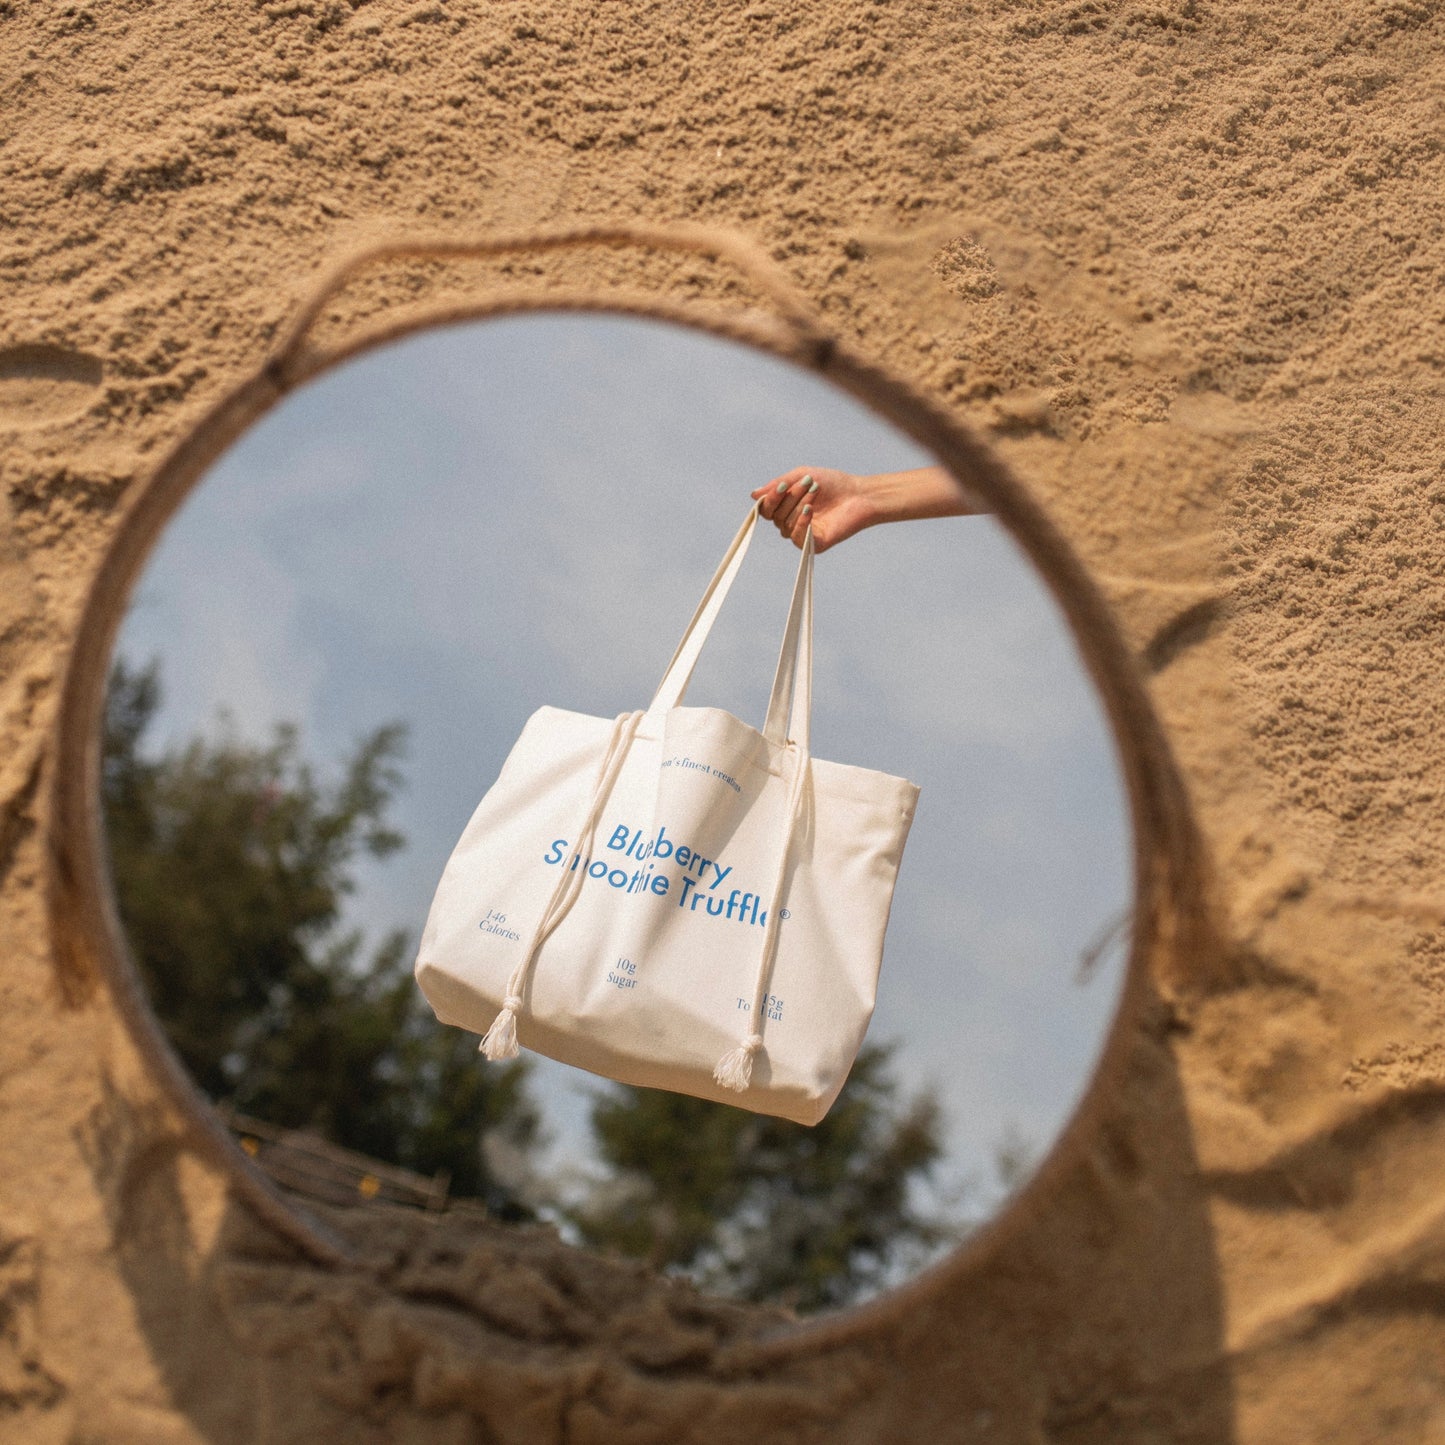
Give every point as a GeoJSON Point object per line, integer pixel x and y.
{"type": "Point", "coordinates": [341, 636]}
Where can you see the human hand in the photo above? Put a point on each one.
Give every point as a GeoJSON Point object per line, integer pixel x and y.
{"type": "Point", "coordinates": [838, 504]}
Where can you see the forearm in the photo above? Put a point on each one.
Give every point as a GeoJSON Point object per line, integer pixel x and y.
{"type": "Point", "coordinates": [913, 496]}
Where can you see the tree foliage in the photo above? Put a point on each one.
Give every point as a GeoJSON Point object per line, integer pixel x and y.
{"type": "Point", "coordinates": [232, 863]}
{"type": "Point", "coordinates": [763, 1209]}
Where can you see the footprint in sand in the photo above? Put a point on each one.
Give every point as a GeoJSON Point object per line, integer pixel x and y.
{"type": "Point", "coordinates": [40, 384]}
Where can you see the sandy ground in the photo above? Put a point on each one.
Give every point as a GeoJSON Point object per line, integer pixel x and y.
{"type": "Point", "coordinates": [1181, 262]}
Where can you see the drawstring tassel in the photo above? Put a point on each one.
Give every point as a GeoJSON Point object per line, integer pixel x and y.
{"type": "Point", "coordinates": [735, 1069]}
{"type": "Point", "coordinates": [501, 1039]}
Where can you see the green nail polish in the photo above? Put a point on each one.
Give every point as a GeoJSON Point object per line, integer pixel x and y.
{"type": "Point", "coordinates": [807, 511]}
{"type": "Point", "coordinates": [782, 486]}
{"type": "Point", "coordinates": [812, 485]}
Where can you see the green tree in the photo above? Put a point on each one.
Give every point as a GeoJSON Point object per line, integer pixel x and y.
{"type": "Point", "coordinates": [763, 1209]}
{"type": "Point", "coordinates": [232, 863]}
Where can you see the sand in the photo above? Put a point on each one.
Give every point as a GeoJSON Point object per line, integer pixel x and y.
{"type": "Point", "coordinates": [1180, 263]}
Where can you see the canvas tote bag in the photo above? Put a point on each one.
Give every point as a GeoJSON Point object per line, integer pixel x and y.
{"type": "Point", "coordinates": [672, 898]}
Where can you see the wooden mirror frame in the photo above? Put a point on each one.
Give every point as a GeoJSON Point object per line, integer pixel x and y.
{"type": "Point", "coordinates": [1169, 864]}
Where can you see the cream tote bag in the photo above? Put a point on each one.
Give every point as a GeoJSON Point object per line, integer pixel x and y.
{"type": "Point", "coordinates": [672, 898]}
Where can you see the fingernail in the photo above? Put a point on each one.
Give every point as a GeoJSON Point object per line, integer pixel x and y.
{"type": "Point", "coordinates": [812, 485]}
{"type": "Point", "coordinates": [807, 511]}
{"type": "Point", "coordinates": [782, 486]}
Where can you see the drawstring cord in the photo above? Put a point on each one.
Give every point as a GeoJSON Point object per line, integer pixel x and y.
{"type": "Point", "coordinates": [500, 1041]}
{"type": "Point", "coordinates": [735, 1069]}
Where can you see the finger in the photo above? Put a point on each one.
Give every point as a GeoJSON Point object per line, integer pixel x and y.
{"type": "Point", "coordinates": [802, 520]}
{"type": "Point", "coordinates": [771, 495]}
{"type": "Point", "coordinates": [803, 499]}
{"type": "Point", "coordinates": [786, 510]}
{"type": "Point", "coordinates": [800, 493]}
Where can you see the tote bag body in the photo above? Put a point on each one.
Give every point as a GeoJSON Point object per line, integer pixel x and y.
{"type": "Point", "coordinates": [668, 952]}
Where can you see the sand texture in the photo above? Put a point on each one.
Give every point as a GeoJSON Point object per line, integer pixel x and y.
{"type": "Point", "coordinates": [1180, 262]}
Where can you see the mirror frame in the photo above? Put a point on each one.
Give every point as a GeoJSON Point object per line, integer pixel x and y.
{"type": "Point", "coordinates": [1171, 915]}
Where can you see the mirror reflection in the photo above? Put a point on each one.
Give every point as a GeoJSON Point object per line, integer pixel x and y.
{"type": "Point", "coordinates": [335, 647]}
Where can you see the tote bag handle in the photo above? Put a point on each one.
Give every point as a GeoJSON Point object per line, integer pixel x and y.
{"type": "Point", "coordinates": [790, 705]}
